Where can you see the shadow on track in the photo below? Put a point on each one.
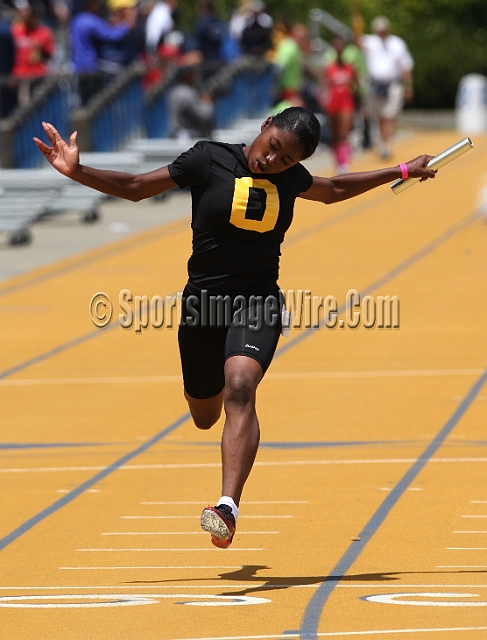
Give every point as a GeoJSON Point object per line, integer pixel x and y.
{"type": "Point", "coordinates": [248, 573]}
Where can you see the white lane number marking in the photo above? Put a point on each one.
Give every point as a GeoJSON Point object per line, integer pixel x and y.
{"type": "Point", "coordinates": [427, 599]}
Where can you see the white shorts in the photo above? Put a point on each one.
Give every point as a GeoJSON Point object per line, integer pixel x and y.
{"type": "Point", "coordinates": [388, 105]}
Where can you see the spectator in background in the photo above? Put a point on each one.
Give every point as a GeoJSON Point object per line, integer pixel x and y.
{"type": "Point", "coordinates": [160, 22]}
{"type": "Point", "coordinates": [8, 95]}
{"type": "Point", "coordinates": [116, 55]}
{"type": "Point", "coordinates": [352, 54]}
{"type": "Point", "coordinates": [176, 47]}
{"type": "Point", "coordinates": [210, 32]}
{"type": "Point", "coordinates": [191, 111]}
{"type": "Point", "coordinates": [389, 66]}
{"type": "Point", "coordinates": [339, 86]}
{"type": "Point", "coordinates": [53, 13]}
{"type": "Point", "coordinates": [236, 25]}
{"type": "Point", "coordinates": [289, 60]}
{"type": "Point", "coordinates": [34, 46]}
{"type": "Point", "coordinates": [256, 38]}
{"type": "Point", "coordinates": [239, 19]}
{"type": "Point", "coordinates": [89, 32]}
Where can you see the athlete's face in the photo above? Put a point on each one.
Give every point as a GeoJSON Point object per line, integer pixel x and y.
{"type": "Point", "coordinates": [273, 150]}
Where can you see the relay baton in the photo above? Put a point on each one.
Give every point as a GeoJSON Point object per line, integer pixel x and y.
{"type": "Point", "coordinates": [435, 163]}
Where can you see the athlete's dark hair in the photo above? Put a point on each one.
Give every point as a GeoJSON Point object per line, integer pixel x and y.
{"type": "Point", "coordinates": [303, 123]}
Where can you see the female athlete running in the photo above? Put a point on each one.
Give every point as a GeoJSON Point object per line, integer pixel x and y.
{"type": "Point", "coordinates": [243, 199]}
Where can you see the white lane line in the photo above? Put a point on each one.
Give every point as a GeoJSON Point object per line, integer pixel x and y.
{"type": "Point", "coordinates": [341, 634]}
{"type": "Point", "coordinates": [407, 373]}
{"type": "Point", "coordinates": [467, 548]}
{"type": "Point", "coordinates": [183, 533]}
{"type": "Point", "coordinates": [481, 516]}
{"type": "Point", "coordinates": [244, 517]}
{"type": "Point", "coordinates": [478, 501]}
{"type": "Point", "coordinates": [469, 531]}
{"type": "Point", "coordinates": [193, 549]}
{"type": "Point", "coordinates": [126, 568]}
{"type": "Point", "coordinates": [409, 489]}
{"type": "Point", "coordinates": [246, 502]}
{"type": "Point", "coordinates": [390, 373]}
{"type": "Point", "coordinates": [29, 382]}
{"type": "Point", "coordinates": [217, 465]}
{"type": "Point", "coordinates": [90, 600]}
{"type": "Point", "coordinates": [413, 586]}
{"type": "Point", "coordinates": [461, 566]}
{"type": "Point", "coordinates": [235, 586]}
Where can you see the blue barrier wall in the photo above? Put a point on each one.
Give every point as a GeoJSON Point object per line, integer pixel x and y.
{"type": "Point", "coordinates": [119, 120]}
{"type": "Point", "coordinates": [157, 117]}
{"type": "Point", "coordinates": [249, 93]}
{"type": "Point", "coordinates": [56, 109]}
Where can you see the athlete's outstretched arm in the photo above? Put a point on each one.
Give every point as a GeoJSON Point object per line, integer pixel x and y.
{"type": "Point", "coordinates": [134, 187]}
{"type": "Point", "coordinates": [329, 190]}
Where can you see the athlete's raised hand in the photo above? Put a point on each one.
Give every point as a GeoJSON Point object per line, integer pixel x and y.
{"type": "Point", "coordinates": [63, 157]}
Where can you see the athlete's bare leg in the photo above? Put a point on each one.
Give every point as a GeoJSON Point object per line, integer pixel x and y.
{"type": "Point", "coordinates": [205, 412]}
{"type": "Point", "coordinates": [241, 434]}
{"type": "Point", "coordinates": [345, 124]}
{"type": "Point", "coordinates": [341, 125]}
{"type": "Point", "coordinates": [387, 127]}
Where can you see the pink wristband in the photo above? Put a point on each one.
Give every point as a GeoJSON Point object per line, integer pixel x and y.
{"type": "Point", "coordinates": [404, 169]}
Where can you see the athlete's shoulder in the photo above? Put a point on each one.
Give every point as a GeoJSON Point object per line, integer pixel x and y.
{"type": "Point", "coordinates": [191, 167]}
{"type": "Point", "coordinates": [225, 148]}
{"type": "Point", "coordinates": [229, 157]}
{"type": "Point", "coordinates": [297, 179]}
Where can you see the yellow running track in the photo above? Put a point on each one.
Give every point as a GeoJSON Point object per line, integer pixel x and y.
{"type": "Point", "coordinates": [366, 512]}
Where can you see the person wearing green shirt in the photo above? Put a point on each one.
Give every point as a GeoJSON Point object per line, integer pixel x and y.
{"type": "Point", "coordinates": [289, 60]}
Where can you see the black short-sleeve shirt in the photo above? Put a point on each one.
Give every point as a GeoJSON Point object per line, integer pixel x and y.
{"type": "Point", "coordinates": [238, 218]}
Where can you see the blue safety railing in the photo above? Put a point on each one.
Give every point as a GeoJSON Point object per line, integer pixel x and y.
{"type": "Point", "coordinates": [120, 117]}
{"type": "Point", "coordinates": [51, 102]}
{"type": "Point", "coordinates": [157, 120]}
{"type": "Point", "coordinates": [123, 110]}
{"type": "Point", "coordinates": [250, 96]}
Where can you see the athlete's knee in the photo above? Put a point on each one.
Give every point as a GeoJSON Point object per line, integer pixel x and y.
{"type": "Point", "coordinates": [239, 390]}
{"type": "Point", "coordinates": [205, 413]}
{"type": "Point", "coordinates": [205, 421]}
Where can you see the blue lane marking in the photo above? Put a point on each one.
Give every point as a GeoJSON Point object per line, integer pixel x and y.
{"type": "Point", "coordinates": [312, 445]}
{"type": "Point", "coordinates": [54, 352]}
{"type": "Point", "coordinates": [69, 497]}
{"type": "Point", "coordinates": [6, 446]}
{"type": "Point", "coordinates": [51, 445]}
{"type": "Point", "coordinates": [324, 445]}
{"type": "Point", "coordinates": [313, 612]}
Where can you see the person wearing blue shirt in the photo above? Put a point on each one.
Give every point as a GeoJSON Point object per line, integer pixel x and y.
{"type": "Point", "coordinates": [210, 35]}
{"type": "Point", "coordinates": [88, 33]}
{"type": "Point", "coordinates": [8, 95]}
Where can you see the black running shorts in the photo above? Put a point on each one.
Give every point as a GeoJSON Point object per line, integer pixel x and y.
{"type": "Point", "coordinates": [211, 331]}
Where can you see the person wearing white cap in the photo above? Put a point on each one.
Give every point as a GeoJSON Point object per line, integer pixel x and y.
{"type": "Point", "coordinates": [389, 66]}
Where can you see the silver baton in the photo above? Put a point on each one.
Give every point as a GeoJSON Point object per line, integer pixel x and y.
{"type": "Point", "coordinates": [436, 163]}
